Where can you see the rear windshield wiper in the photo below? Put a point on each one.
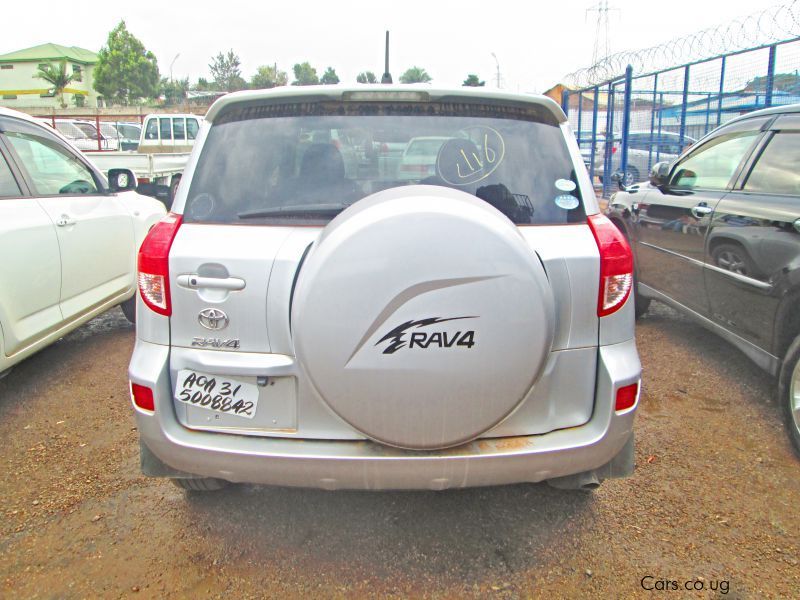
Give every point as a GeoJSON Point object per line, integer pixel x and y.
{"type": "Point", "coordinates": [294, 211]}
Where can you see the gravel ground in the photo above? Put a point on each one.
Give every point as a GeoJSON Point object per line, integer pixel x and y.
{"type": "Point", "coordinates": [710, 502]}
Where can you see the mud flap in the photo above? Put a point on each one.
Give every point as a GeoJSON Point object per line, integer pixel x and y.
{"type": "Point", "coordinates": [619, 466]}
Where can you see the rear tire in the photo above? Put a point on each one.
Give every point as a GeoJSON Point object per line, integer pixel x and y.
{"type": "Point", "coordinates": [789, 393]}
{"type": "Point", "coordinates": [202, 484]}
{"type": "Point", "coordinates": [129, 308]}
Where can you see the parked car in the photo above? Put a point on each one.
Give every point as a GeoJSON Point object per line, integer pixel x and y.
{"type": "Point", "coordinates": [300, 327]}
{"type": "Point", "coordinates": [419, 157]}
{"type": "Point", "coordinates": [69, 130]}
{"type": "Point", "coordinates": [90, 129]}
{"type": "Point", "coordinates": [645, 148]}
{"type": "Point", "coordinates": [716, 234]}
{"type": "Point", "coordinates": [84, 135]}
{"type": "Point", "coordinates": [68, 239]}
{"type": "Point", "coordinates": [588, 144]}
{"type": "Point", "coordinates": [126, 134]}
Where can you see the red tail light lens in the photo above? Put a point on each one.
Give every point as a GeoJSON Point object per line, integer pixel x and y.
{"type": "Point", "coordinates": [616, 265]}
{"type": "Point", "coordinates": [153, 264]}
{"type": "Point", "coordinates": [142, 397]}
{"type": "Point", "coordinates": [626, 397]}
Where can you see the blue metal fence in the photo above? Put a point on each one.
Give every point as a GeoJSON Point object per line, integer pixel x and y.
{"type": "Point", "coordinates": [627, 124]}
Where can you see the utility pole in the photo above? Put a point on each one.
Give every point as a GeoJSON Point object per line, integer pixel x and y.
{"type": "Point", "coordinates": [387, 76]}
{"type": "Point", "coordinates": [497, 62]}
{"type": "Point", "coordinates": [601, 38]}
{"type": "Point", "coordinates": [170, 66]}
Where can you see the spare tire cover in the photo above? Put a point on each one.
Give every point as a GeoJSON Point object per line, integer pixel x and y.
{"type": "Point", "coordinates": [422, 317]}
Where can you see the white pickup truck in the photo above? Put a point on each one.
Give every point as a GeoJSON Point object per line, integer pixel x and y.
{"type": "Point", "coordinates": [164, 147]}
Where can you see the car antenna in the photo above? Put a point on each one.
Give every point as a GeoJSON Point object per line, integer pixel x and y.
{"type": "Point", "coordinates": [387, 77]}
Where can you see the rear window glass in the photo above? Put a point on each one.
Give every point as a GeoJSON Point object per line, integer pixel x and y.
{"type": "Point", "coordinates": [305, 163]}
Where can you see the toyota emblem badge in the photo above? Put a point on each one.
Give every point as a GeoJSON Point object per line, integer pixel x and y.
{"type": "Point", "coordinates": [213, 318]}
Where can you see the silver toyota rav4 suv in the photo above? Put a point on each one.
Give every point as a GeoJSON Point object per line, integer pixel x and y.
{"type": "Point", "coordinates": [309, 316]}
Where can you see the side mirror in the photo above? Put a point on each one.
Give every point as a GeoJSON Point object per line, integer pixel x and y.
{"type": "Point", "coordinates": [121, 180]}
{"type": "Point", "coordinates": [659, 174]}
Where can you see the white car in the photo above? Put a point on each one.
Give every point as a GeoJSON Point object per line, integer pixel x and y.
{"type": "Point", "coordinates": [68, 240]}
{"type": "Point", "coordinates": [126, 135]}
{"type": "Point", "coordinates": [645, 148]}
{"type": "Point", "coordinates": [83, 135]}
{"type": "Point", "coordinates": [419, 158]}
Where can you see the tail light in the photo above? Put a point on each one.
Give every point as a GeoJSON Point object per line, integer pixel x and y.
{"type": "Point", "coordinates": [614, 149]}
{"type": "Point", "coordinates": [616, 265]}
{"type": "Point", "coordinates": [142, 397]}
{"type": "Point", "coordinates": [153, 264]}
{"type": "Point", "coordinates": [626, 397]}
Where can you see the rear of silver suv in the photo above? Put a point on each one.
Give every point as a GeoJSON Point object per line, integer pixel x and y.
{"type": "Point", "coordinates": [308, 316]}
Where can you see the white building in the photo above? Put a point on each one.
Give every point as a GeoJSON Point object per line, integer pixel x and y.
{"type": "Point", "coordinates": [20, 87]}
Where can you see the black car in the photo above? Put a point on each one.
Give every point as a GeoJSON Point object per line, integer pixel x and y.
{"type": "Point", "coordinates": [716, 235]}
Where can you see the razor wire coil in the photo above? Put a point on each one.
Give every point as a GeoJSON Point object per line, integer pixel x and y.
{"type": "Point", "coordinates": [774, 24]}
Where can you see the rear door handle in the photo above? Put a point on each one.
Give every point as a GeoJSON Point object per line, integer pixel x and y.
{"type": "Point", "coordinates": [64, 221]}
{"type": "Point", "coordinates": [701, 210]}
{"type": "Point", "coordinates": [196, 282]}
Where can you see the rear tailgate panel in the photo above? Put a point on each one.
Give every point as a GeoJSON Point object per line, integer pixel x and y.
{"type": "Point", "coordinates": [267, 258]}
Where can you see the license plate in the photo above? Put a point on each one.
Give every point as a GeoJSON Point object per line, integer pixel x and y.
{"type": "Point", "coordinates": [221, 395]}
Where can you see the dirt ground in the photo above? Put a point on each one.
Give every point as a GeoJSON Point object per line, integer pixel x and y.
{"type": "Point", "coordinates": [713, 502]}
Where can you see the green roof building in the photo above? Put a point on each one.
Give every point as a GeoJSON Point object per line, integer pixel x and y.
{"type": "Point", "coordinates": [21, 88]}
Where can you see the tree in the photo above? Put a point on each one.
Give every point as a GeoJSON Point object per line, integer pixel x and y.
{"type": "Point", "coordinates": [226, 73]}
{"type": "Point", "coordinates": [329, 77]}
{"type": "Point", "coordinates": [57, 76]}
{"type": "Point", "coordinates": [783, 82]}
{"type": "Point", "coordinates": [174, 92]}
{"type": "Point", "coordinates": [415, 75]}
{"type": "Point", "coordinates": [268, 76]}
{"type": "Point", "coordinates": [305, 74]}
{"type": "Point", "coordinates": [125, 70]}
{"type": "Point", "coordinates": [366, 77]}
{"type": "Point", "coordinates": [204, 84]}
{"type": "Point", "coordinates": [473, 81]}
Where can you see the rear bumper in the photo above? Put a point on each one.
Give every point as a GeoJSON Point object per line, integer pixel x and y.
{"type": "Point", "coordinates": [365, 464]}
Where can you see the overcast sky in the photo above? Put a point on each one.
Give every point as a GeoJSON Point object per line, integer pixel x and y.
{"type": "Point", "coordinates": [536, 43]}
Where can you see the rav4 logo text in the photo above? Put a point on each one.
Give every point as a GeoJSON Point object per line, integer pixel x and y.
{"type": "Point", "coordinates": [427, 338]}
{"type": "Point", "coordinates": [201, 342]}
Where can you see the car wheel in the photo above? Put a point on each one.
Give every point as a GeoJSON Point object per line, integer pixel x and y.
{"type": "Point", "coordinates": [129, 308]}
{"type": "Point", "coordinates": [789, 392]}
{"type": "Point", "coordinates": [733, 258]}
{"type": "Point", "coordinates": [631, 176]}
{"type": "Point", "coordinates": [201, 484]}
